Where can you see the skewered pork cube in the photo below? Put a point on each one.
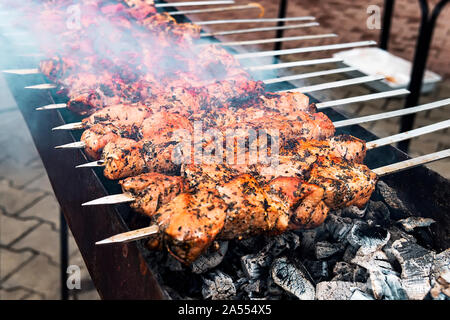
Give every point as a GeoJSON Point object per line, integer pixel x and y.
{"type": "Point", "coordinates": [121, 115]}
{"type": "Point", "coordinates": [345, 183]}
{"type": "Point", "coordinates": [151, 190]}
{"type": "Point", "coordinates": [191, 222]}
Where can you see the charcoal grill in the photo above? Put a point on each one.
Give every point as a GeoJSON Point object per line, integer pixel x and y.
{"type": "Point", "coordinates": [121, 271]}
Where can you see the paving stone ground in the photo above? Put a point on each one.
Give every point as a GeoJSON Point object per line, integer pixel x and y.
{"type": "Point", "coordinates": [29, 222]}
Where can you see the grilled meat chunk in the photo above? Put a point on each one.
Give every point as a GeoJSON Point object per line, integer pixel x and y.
{"type": "Point", "coordinates": [151, 190]}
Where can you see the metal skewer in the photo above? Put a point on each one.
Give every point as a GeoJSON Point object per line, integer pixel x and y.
{"type": "Point", "coordinates": [131, 235]}
{"type": "Point", "coordinates": [335, 84]}
{"type": "Point", "coordinates": [274, 40]}
{"type": "Point", "coordinates": [411, 163]}
{"type": "Point", "coordinates": [272, 53]}
{"type": "Point", "coordinates": [22, 71]}
{"type": "Point", "coordinates": [70, 126]}
{"type": "Point", "coordinates": [42, 86]}
{"type": "Point", "coordinates": [73, 145]}
{"type": "Point", "coordinates": [274, 66]}
{"type": "Point", "coordinates": [392, 114]}
{"type": "Point", "coordinates": [408, 134]}
{"type": "Point", "coordinates": [221, 9]}
{"type": "Point", "coordinates": [53, 106]}
{"type": "Point", "coordinates": [213, 22]}
{"type": "Point", "coordinates": [113, 199]}
{"type": "Point", "coordinates": [308, 75]}
{"type": "Point", "coordinates": [224, 33]}
{"type": "Point", "coordinates": [192, 3]}
{"type": "Point", "coordinates": [382, 171]}
{"type": "Point", "coordinates": [367, 97]}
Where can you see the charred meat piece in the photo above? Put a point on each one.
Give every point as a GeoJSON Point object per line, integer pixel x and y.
{"type": "Point", "coordinates": [345, 183]}
{"type": "Point", "coordinates": [151, 190]}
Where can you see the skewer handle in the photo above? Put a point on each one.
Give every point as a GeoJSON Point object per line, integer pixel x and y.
{"type": "Point", "coordinates": [411, 163]}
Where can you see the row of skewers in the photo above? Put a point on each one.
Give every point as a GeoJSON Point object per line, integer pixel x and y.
{"type": "Point", "coordinates": [137, 108]}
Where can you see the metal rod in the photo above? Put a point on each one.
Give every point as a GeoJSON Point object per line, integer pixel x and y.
{"type": "Point", "coordinates": [222, 9]}
{"type": "Point", "coordinates": [53, 106]}
{"type": "Point", "coordinates": [408, 134]}
{"type": "Point", "coordinates": [273, 66]}
{"type": "Point", "coordinates": [192, 3]}
{"type": "Point", "coordinates": [411, 163]}
{"type": "Point", "coordinates": [303, 50]}
{"type": "Point", "coordinates": [131, 235]}
{"type": "Point", "coordinates": [112, 199]}
{"type": "Point", "coordinates": [419, 65]}
{"type": "Point", "coordinates": [224, 33]}
{"type": "Point", "coordinates": [64, 255]}
{"type": "Point", "coordinates": [22, 71]}
{"type": "Point", "coordinates": [367, 97]}
{"type": "Point", "coordinates": [43, 86]}
{"type": "Point", "coordinates": [335, 84]}
{"type": "Point", "coordinates": [263, 20]}
{"type": "Point", "coordinates": [282, 10]}
{"type": "Point", "coordinates": [271, 40]}
{"type": "Point", "coordinates": [387, 19]}
{"type": "Point", "coordinates": [309, 75]}
{"type": "Point", "coordinates": [391, 114]}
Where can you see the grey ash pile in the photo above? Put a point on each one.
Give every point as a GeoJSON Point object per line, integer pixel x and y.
{"type": "Point", "coordinates": [381, 252]}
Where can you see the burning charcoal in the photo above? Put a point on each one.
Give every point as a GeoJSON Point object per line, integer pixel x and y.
{"type": "Point", "coordinates": [409, 224]}
{"type": "Point", "coordinates": [441, 276]}
{"type": "Point", "coordinates": [325, 249]}
{"type": "Point", "coordinates": [374, 261]}
{"type": "Point", "coordinates": [317, 269]}
{"type": "Point", "coordinates": [338, 227]}
{"type": "Point", "coordinates": [218, 286]}
{"type": "Point", "coordinates": [368, 238]}
{"type": "Point", "coordinates": [293, 280]}
{"type": "Point", "coordinates": [343, 271]}
{"type": "Point", "coordinates": [255, 265]}
{"type": "Point", "coordinates": [310, 237]}
{"type": "Point", "coordinates": [211, 259]}
{"type": "Point", "coordinates": [173, 264]}
{"type": "Point", "coordinates": [273, 290]}
{"type": "Point", "coordinates": [416, 263]}
{"type": "Point", "coordinates": [441, 287]}
{"type": "Point", "coordinates": [337, 290]}
{"type": "Point", "coordinates": [386, 286]}
{"type": "Point", "coordinates": [360, 295]}
{"type": "Point", "coordinates": [349, 254]}
{"type": "Point", "coordinates": [378, 212]}
{"type": "Point", "coordinates": [252, 287]}
{"type": "Point", "coordinates": [396, 206]}
{"type": "Point", "coordinates": [281, 243]}
{"type": "Point", "coordinates": [354, 212]}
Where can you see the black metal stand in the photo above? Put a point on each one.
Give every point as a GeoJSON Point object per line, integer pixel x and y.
{"type": "Point", "coordinates": [64, 255]}
{"type": "Point", "coordinates": [420, 61]}
{"type": "Point", "coordinates": [387, 19]}
{"type": "Point", "coordinates": [282, 9]}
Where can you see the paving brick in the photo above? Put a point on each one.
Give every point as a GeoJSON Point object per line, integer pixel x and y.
{"type": "Point", "coordinates": [11, 229]}
{"type": "Point", "coordinates": [41, 183]}
{"type": "Point", "coordinates": [46, 209]}
{"type": "Point", "coordinates": [14, 294]}
{"type": "Point", "coordinates": [43, 239]}
{"type": "Point", "coordinates": [11, 261]}
{"type": "Point", "coordinates": [39, 275]}
{"type": "Point", "coordinates": [19, 174]}
{"type": "Point", "coordinates": [13, 200]}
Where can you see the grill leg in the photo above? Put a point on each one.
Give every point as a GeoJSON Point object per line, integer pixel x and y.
{"type": "Point", "coordinates": [282, 9]}
{"type": "Point", "coordinates": [64, 255]}
{"type": "Point", "coordinates": [420, 61]}
{"type": "Point", "coordinates": [387, 19]}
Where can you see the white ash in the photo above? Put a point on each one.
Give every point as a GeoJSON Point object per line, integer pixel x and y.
{"type": "Point", "coordinates": [409, 224]}
{"type": "Point", "coordinates": [397, 207]}
{"type": "Point", "coordinates": [360, 295]}
{"type": "Point", "coordinates": [374, 261]}
{"type": "Point", "coordinates": [338, 290]}
{"type": "Point", "coordinates": [416, 263]}
{"type": "Point", "coordinates": [254, 265]}
{"type": "Point", "coordinates": [325, 249]}
{"type": "Point", "coordinates": [211, 259]}
{"type": "Point", "coordinates": [289, 277]}
{"type": "Point", "coordinates": [368, 238]}
{"type": "Point", "coordinates": [218, 286]}
{"type": "Point", "coordinates": [338, 227]}
{"type": "Point", "coordinates": [387, 286]}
